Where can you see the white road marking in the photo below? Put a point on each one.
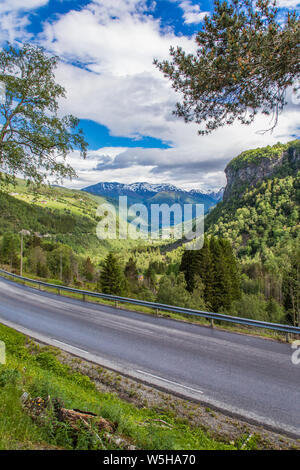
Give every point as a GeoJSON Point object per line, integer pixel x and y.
{"type": "Point", "coordinates": [70, 346]}
{"type": "Point", "coordinates": [170, 381]}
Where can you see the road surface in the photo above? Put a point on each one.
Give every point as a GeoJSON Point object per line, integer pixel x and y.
{"type": "Point", "coordinates": [244, 375]}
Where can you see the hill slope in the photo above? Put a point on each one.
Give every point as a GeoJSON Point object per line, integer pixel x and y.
{"type": "Point", "coordinates": [261, 206]}
{"type": "Point", "coordinates": [58, 214]}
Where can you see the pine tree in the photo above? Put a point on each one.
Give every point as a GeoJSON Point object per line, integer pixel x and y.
{"type": "Point", "coordinates": [112, 279]}
{"type": "Point", "coordinates": [220, 297]}
{"type": "Point", "coordinates": [291, 289]}
{"type": "Point", "coordinates": [131, 270]}
{"type": "Point", "coordinates": [245, 62]}
{"type": "Point", "coordinates": [187, 266]}
{"type": "Point", "coordinates": [88, 269]}
{"type": "Point", "coordinates": [232, 269]}
{"type": "Point", "coordinates": [216, 267]}
{"type": "Point", "coordinates": [204, 269]}
{"type": "Point", "coordinates": [10, 248]}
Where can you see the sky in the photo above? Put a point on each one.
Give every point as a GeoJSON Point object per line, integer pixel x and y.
{"type": "Point", "coordinates": [106, 50]}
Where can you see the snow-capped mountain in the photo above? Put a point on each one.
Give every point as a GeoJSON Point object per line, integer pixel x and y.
{"type": "Point", "coordinates": [215, 194]}
{"type": "Point", "coordinates": [133, 187]}
{"type": "Point", "coordinates": [148, 193]}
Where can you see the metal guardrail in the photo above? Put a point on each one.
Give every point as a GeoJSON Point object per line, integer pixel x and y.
{"type": "Point", "coordinates": [170, 308]}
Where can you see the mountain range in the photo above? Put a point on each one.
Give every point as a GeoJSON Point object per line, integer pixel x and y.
{"type": "Point", "coordinates": [147, 194]}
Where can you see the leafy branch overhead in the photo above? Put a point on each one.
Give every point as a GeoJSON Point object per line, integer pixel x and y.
{"type": "Point", "coordinates": [247, 57]}
{"type": "Point", "coordinates": [34, 140]}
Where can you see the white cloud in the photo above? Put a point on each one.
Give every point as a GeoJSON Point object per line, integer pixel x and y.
{"type": "Point", "coordinates": [117, 86]}
{"type": "Point", "coordinates": [288, 3]}
{"type": "Point", "coordinates": [192, 14]}
{"type": "Point", "coordinates": [14, 19]}
{"type": "Point", "coordinates": [13, 5]}
{"type": "Point", "coordinates": [121, 89]}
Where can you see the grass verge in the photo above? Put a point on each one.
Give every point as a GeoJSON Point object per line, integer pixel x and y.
{"type": "Point", "coordinates": [36, 370]}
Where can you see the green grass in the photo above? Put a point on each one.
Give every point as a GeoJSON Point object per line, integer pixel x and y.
{"type": "Point", "coordinates": [36, 370]}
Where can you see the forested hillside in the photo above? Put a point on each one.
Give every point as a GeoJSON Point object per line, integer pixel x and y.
{"type": "Point", "coordinates": [59, 226]}
{"type": "Point", "coordinates": [261, 208]}
{"type": "Point", "coordinates": [260, 216]}
{"type": "Point", "coordinates": [249, 265]}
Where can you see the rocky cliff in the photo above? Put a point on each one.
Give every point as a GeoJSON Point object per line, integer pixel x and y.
{"type": "Point", "coordinates": [252, 166]}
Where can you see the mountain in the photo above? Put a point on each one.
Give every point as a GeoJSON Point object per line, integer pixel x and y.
{"type": "Point", "coordinates": [260, 212]}
{"type": "Point", "coordinates": [147, 194]}
{"type": "Point", "coordinates": [59, 215]}
{"type": "Point", "coordinates": [123, 189]}
{"type": "Point", "coordinates": [216, 195]}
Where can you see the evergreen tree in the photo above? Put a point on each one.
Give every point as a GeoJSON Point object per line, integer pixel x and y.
{"type": "Point", "coordinates": [291, 289]}
{"type": "Point", "coordinates": [150, 276]}
{"type": "Point", "coordinates": [10, 249]}
{"type": "Point", "coordinates": [216, 267]}
{"type": "Point", "coordinates": [112, 279]}
{"type": "Point", "coordinates": [131, 270]}
{"type": "Point", "coordinates": [189, 268]}
{"type": "Point", "coordinates": [204, 268]}
{"type": "Point", "coordinates": [232, 268]}
{"type": "Point", "coordinates": [247, 57]}
{"type": "Point", "coordinates": [220, 295]}
{"type": "Point", "coordinates": [88, 269]}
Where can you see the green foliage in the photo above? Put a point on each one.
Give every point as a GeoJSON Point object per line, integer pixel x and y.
{"type": "Point", "coordinates": [262, 217]}
{"type": "Point", "coordinates": [245, 61]}
{"type": "Point", "coordinates": [34, 141]}
{"type": "Point", "coordinates": [88, 269]}
{"type": "Point", "coordinates": [172, 291]}
{"type": "Point", "coordinates": [291, 288]}
{"type": "Point", "coordinates": [112, 279]}
{"type": "Point", "coordinates": [10, 249]}
{"type": "Point", "coordinates": [261, 221]}
{"type": "Point", "coordinates": [9, 376]}
{"type": "Point", "coordinates": [255, 306]}
{"type": "Point", "coordinates": [257, 156]}
{"type": "Point", "coordinates": [216, 266]}
{"type": "Point", "coordinates": [61, 262]}
{"type": "Point", "coordinates": [130, 270]}
{"type": "Point", "coordinates": [41, 374]}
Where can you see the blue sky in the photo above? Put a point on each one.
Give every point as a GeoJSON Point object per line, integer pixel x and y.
{"type": "Point", "coordinates": [124, 103]}
{"type": "Point", "coordinates": [166, 11]}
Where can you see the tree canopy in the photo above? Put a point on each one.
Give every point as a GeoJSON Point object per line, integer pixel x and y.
{"type": "Point", "coordinates": [34, 140]}
{"type": "Point", "coordinates": [112, 279]}
{"type": "Point", "coordinates": [247, 57]}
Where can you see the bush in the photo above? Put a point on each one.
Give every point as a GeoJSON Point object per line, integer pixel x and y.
{"type": "Point", "coordinates": [9, 376]}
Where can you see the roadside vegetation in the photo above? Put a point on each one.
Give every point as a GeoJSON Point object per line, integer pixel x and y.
{"type": "Point", "coordinates": [254, 275]}
{"type": "Point", "coordinates": [36, 389]}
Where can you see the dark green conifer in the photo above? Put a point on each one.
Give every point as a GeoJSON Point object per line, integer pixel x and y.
{"type": "Point", "coordinates": [112, 280]}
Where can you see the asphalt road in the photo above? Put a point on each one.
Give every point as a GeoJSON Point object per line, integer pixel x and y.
{"type": "Point", "coordinates": [245, 375]}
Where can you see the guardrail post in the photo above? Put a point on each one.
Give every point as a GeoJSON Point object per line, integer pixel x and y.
{"type": "Point", "coordinates": [58, 291]}
{"type": "Point", "coordinates": [116, 304]}
{"type": "Point", "coordinates": [287, 337]}
{"type": "Point", "coordinates": [212, 323]}
{"type": "Point", "coordinates": [83, 297]}
{"type": "Point", "coordinates": [156, 311]}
